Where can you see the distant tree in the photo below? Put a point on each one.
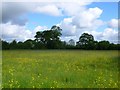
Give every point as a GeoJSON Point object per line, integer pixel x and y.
{"type": "Point", "coordinates": [13, 44]}
{"type": "Point", "coordinates": [103, 45]}
{"type": "Point", "coordinates": [38, 45]}
{"type": "Point", "coordinates": [0, 44]}
{"type": "Point", "coordinates": [50, 38]}
{"type": "Point", "coordinates": [28, 44]}
{"type": "Point", "coordinates": [63, 45]}
{"type": "Point", "coordinates": [86, 41]}
{"type": "Point", "coordinates": [71, 42]}
{"type": "Point", "coordinates": [38, 36]}
{"type": "Point", "coordinates": [5, 45]}
{"type": "Point", "coordinates": [118, 46]}
{"type": "Point", "coordinates": [95, 45]}
{"type": "Point", "coordinates": [20, 45]}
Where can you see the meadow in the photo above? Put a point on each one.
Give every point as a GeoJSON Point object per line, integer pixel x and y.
{"type": "Point", "coordinates": [60, 69]}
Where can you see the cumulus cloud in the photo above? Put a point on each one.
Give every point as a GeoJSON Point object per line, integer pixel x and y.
{"type": "Point", "coordinates": [11, 32]}
{"type": "Point", "coordinates": [88, 21]}
{"type": "Point", "coordinates": [15, 12]}
{"type": "Point", "coordinates": [68, 28]}
{"type": "Point", "coordinates": [12, 12]}
{"type": "Point", "coordinates": [71, 9]}
{"type": "Point", "coordinates": [79, 20]}
{"type": "Point", "coordinates": [108, 34]}
{"type": "Point", "coordinates": [39, 28]}
{"type": "Point", "coordinates": [20, 33]}
{"type": "Point", "coordinates": [87, 18]}
{"type": "Point", "coordinates": [113, 23]}
{"type": "Point", "coordinates": [49, 10]}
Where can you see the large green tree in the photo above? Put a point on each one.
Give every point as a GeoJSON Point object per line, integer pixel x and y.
{"type": "Point", "coordinates": [86, 41]}
{"type": "Point", "coordinates": [103, 45]}
{"type": "Point", "coordinates": [50, 38]}
{"type": "Point", "coordinates": [28, 44]}
{"type": "Point", "coordinates": [13, 44]}
{"type": "Point", "coordinates": [5, 45]}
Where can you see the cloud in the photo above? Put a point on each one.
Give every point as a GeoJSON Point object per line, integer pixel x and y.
{"type": "Point", "coordinates": [79, 19]}
{"type": "Point", "coordinates": [113, 23]}
{"type": "Point", "coordinates": [87, 18]}
{"type": "Point", "coordinates": [49, 10]}
{"type": "Point", "coordinates": [88, 21]}
{"type": "Point", "coordinates": [13, 12]}
{"type": "Point", "coordinates": [11, 32]}
{"type": "Point", "coordinates": [68, 28]}
{"type": "Point", "coordinates": [71, 9]}
{"type": "Point", "coordinates": [108, 34]}
{"type": "Point", "coordinates": [20, 33]}
{"type": "Point", "coordinates": [16, 12]}
{"type": "Point", "coordinates": [39, 28]}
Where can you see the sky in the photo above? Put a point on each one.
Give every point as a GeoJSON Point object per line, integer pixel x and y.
{"type": "Point", "coordinates": [21, 20]}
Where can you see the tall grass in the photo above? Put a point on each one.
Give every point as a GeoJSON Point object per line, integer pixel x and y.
{"type": "Point", "coordinates": [60, 69]}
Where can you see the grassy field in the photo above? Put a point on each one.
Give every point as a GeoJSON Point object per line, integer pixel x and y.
{"type": "Point", "coordinates": [60, 69]}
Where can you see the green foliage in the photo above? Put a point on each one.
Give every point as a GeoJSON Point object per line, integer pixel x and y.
{"type": "Point", "coordinates": [60, 69]}
{"type": "Point", "coordinates": [86, 41]}
{"type": "Point", "coordinates": [50, 38]}
{"type": "Point", "coordinates": [86, 38]}
{"type": "Point", "coordinates": [103, 45]}
{"type": "Point", "coordinates": [5, 45]}
{"type": "Point", "coordinates": [13, 44]}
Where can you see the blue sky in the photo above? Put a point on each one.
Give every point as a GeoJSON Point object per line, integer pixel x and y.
{"type": "Point", "coordinates": [97, 18]}
{"type": "Point", "coordinates": [110, 10]}
{"type": "Point", "coordinates": [43, 20]}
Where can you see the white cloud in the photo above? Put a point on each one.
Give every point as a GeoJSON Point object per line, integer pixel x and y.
{"type": "Point", "coordinates": [108, 34]}
{"type": "Point", "coordinates": [12, 12]}
{"type": "Point", "coordinates": [20, 33]}
{"type": "Point", "coordinates": [49, 10]}
{"type": "Point", "coordinates": [113, 23]}
{"type": "Point", "coordinates": [79, 19]}
{"type": "Point", "coordinates": [49, 1]}
{"type": "Point", "coordinates": [87, 18]}
{"type": "Point", "coordinates": [10, 32]}
{"type": "Point", "coordinates": [88, 21]}
{"type": "Point", "coordinates": [68, 28]}
{"type": "Point", "coordinates": [20, 9]}
{"type": "Point", "coordinates": [77, 24]}
{"type": "Point", "coordinates": [38, 28]}
{"type": "Point", "coordinates": [71, 9]}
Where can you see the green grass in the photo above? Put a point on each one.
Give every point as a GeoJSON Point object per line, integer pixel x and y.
{"type": "Point", "coordinates": [59, 69]}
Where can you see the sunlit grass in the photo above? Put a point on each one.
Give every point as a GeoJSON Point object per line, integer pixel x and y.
{"type": "Point", "coordinates": [60, 69]}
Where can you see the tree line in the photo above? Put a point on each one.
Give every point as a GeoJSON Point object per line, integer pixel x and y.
{"type": "Point", "coordinates": [50, 39]}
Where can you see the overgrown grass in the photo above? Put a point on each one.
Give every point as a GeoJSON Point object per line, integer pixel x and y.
{"type": "Point", "coordinates": [60, 69]}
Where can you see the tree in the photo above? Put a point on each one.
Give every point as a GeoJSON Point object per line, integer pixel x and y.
{"type": "Point", "coordinates": [50, 38]}
{"type": "Point", "coordinates": [20, 45]}
{"type": "Point", "coordinates": [5, 45]}
{"type": "Point", "coordinates": [71, 42]}
{"type": "Point", "coordinates": [28, 44]}
{"type": "Point", "coordinates": [103, 45]}
{"type": "Point", "coordinates": [0, 44]}
{"type": "Point", "coordinates": [13, 44]}
{"type": "Point", "coordinates": [38, 36]}
{"type": "Point", "coordinates": [86, 41]}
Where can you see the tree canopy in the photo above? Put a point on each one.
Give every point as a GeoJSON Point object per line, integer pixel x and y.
{"type": "Point", "coordinates": [50, 38]}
